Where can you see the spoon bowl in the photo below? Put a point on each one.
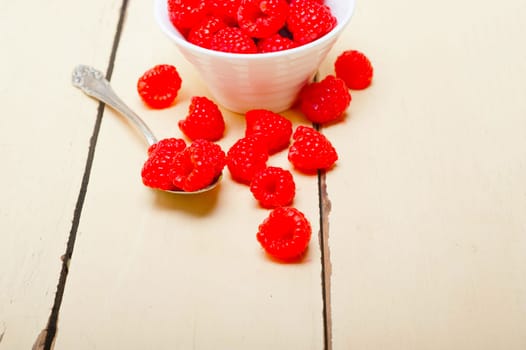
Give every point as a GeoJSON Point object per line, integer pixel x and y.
{"type": "Point", "coordinates": [93, 83]}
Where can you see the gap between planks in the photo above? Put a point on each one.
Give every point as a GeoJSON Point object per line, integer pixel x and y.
{"type": "Point", "coordinates": [326, 266]}
{"type": "Point", "coordinates": [50, 332]}
{"type": "Point", "coordinates": [45, 339]}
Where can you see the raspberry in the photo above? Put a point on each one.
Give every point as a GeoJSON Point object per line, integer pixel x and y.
{"type": "Point", "coordinates": [262, 18]}
{"type": "Point", "coordinates": [202, 34]}
{"type": "Point", "coordinates": [355, 69]}
{"type": "Point", "coordinates": [204, 120]}
{"type": "Point", "coordinates": [309, 20]}
{"type": "Point", "coordinates": [197, 166]}
{"type": "Point", "coordinates": [325, 101]}
{"type": "Point", "coordinates": [184, 14]}
{"type": "Point", "coordinates": [273, 127]}
{"type": "Point", "coordinates": [232, 39]}
{"type": "Point", "coordinates": [156, 170]}
{"type": "Point", "coordinates": [311, 151]}
{"type": "Point", "coordinates": [225, 9]}
{"type": "Point", "coordinates": [285, 233]}
{"type": "Point", "coordinates": [275, 43]}
{"type": "Point", "coordinates": [273, 187]}
{"type": "Point", "coordinates": [159, 85]}
{"type": "Point", "coordinates": [246, 157]}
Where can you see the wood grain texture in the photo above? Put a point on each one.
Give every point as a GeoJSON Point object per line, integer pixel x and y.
{"type": "Point", "coordinates": [44, 137]}
{"type": "Point", "coordinates": [428, 221]}
{"type": "Point", "coordinates": [425, 212]}
{"type": "Point", "coordinates": [153, 270]}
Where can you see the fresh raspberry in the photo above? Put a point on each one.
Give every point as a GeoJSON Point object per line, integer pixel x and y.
{"type": "Point", "coordinates": [325, 101]}
{"type": "Point", "coordinates": [202, 34]}
{"type": "Point", "coordinates": [285, 233]}
{"type": "Point", "coordinates": [225, 9]}
{"type": "Point", "coordinates": [197, 166]}
{"type": "Point", "coordinates": [275, 43]}
{"type": "Point", "coordinates": [355, 69]}
{"type": "Point", "coordinates": [204, 120]}
{"type": "Point", "coordinates": [311, 151]}
{"type": "Point", "coordinates": [159, 85]}
{"type": "Point", "coordinates": [273, 187]}
{"type": "Point", "coordinates": [262, 18]}
{"type": "Point", "coordinates": [246, 157]}
{"type": "Point", "coordinates": [309, 20]}
{"type": "Point", "coordinates": [169, 145]}
{"type": "Point", "coordinates": [273, 127]}
{"type": "Point", "coordinates": [156, 170]}
{"type": "Point", "coordinates": [232, 39]}
{"type": "Point", "coordinates": [184, 14]}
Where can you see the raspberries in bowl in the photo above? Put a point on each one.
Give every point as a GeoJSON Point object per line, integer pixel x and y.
{"type": "Point", "coordinates": [254, 53]}
{"type": "Point", "coordinates": [251, 26]}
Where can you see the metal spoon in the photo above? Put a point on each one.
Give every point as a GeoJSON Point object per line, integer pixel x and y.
{"type": "Point", "coordinates": [93, 83]}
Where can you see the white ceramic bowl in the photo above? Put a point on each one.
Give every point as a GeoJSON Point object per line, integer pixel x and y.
{"type": "Point", "coordinates": [240, 82]}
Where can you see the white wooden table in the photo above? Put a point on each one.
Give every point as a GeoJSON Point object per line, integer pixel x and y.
{"type": "Point", "coordinates": [419, 232]}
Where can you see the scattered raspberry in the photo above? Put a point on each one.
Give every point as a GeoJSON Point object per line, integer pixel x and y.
{"type": "Point", "coordinates": [262, 18]}
{"type": "Point", "coordinates": [355, 69]}
{"type": "Point", "coordinates": [246, 157]}
{"type": "Point", "coordinates": [225, 9]}
{"type": "Point", "coordinates": [285, 233]}
{"type": "Point", "coordinates": [159, 85]}
{"type": "Point", "coordinates": [232, 39]}
{"type": "Point", "coordinates": [275, 43]}
{"type": "Point", "coordinates": [325, 101]}
{"type": "Point", "coordinates": [184, 14]}
{"type": "Point", "coordinates": [309, 20]}
{"type": "Point", "coordinates": [204, 120]}
{"type": "Point", "coordinates": [273, 187]}
{"type": "Point", "coordinates": [273, 127]}
{"type": "Point", "coordinates": [202, 34]}
{"type": "Point", "coordinates": [197, 166]}
{"type": "Point", "coordinates": [311, 151]}
{"type": "Point", "coordinates": [156, 170]}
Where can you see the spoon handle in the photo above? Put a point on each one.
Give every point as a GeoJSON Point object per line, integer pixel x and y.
{"type": "Point", "coordinates": [93, 83]}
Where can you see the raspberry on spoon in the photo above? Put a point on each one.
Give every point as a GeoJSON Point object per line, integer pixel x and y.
{"type": "Point", "coordinates": [155, 172]}
{"type": "Point", "coordinates": [197, 166]}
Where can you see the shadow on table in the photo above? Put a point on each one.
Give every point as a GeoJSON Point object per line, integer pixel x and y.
{"type": "Point", "coordinates": [199, 205]}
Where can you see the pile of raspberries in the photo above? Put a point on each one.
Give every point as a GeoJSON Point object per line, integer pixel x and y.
{"type": "Point", "coordinates": [251, 26]}
{"type": "Point", "coordinates": [172, 164]}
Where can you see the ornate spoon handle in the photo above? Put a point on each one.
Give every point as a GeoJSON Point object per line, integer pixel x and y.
{"type": "Point", "coordinates": [93, 83]}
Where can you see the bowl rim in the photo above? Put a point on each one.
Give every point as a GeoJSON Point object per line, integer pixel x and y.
{"type": "Point", "coordinates": [162, 19]}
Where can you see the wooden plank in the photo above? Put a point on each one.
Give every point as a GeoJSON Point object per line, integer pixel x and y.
{"type": "Point", "coordinates": [44, 137]}
{"type": "Point", "coordinates": [152, 270]}
{"type": "Point", "coordinates": [428, 221]}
